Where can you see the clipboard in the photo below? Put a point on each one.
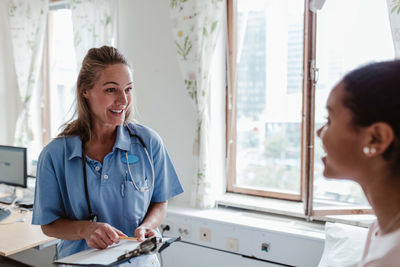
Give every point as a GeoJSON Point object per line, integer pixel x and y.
{"type": "Point", "coordinates": [117, 254]}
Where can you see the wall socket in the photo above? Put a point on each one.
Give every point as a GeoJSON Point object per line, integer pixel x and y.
{"type": "Point", "coordinates": [166, 228]}
{"type": "Point", "coordinates": [205, 234]}
{"type": "Point", "coordinates": [184, 230]}
{"type": "Point", "coordinates": [232, 244]}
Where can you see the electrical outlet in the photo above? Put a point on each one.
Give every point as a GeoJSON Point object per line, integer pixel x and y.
{"type": "Point", "coordinates": [166, 228]}
{"type": "Point", "coordinates": [184, 230]}
{"type": "Point", "coordinates": [265, 247]}
{"type": "Point", "coordinates": [205, 234]}
{"type": "Point", "coordinates": [232, 244]}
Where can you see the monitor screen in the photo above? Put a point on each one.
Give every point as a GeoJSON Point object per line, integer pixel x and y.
{"type": "Point", "coordinates": [13, 166]}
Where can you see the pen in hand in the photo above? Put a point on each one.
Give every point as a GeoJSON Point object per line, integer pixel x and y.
{"type": "Point", "coordinates": [128, 238]}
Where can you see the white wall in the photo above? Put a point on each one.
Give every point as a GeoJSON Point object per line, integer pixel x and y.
{"type": "Point", "coordinates": [145, 37]}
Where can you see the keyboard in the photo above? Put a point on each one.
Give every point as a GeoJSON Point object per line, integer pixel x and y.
{"type": "Point", "coordinates": [4, 213]}
{"type": "Point", "coordinates": [8, 199]}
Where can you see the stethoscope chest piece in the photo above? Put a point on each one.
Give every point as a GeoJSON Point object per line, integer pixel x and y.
{"type": "Point", "coordinates": [93, 218]}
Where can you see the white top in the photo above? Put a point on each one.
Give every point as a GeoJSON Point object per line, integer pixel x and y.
{"type": "Point", "coordinates": [381, 250]}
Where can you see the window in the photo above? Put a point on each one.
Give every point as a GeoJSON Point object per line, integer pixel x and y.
{"type": "Point", "coordinates": [284, 60]}
{"type": "Point", "coordinates": [342, 45]}
{"type": "Point", "coordinates": [268, 97]}
{"type": "Point", "coordinates": [61, 69]}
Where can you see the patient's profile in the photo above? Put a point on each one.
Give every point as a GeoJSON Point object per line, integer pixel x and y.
{"type": "Point", "coordinates": [362, 142]}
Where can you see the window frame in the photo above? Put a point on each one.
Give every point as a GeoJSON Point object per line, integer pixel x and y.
{"type": "Point", "coordinates": [45, 103]}
{"type": "Point", "coordinates": [307, 123]}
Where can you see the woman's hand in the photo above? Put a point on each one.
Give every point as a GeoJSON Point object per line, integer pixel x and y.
{"type": "Point", "coordinates": [154, 216]}
{"type": "Point", "coordinates": [101, 235]}
{"type": "Point", "coordinates": [97, 235]}
{"type": "Point", "coordinates": [143, 232]}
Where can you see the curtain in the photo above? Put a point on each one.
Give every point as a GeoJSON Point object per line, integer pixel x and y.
{"type": "Point", "coordinates": [196, 28]}
{"type": "Point", "coordinates": [94, 25]}
{"type": "Point", "coordinates": [394, 17]}
{"type": "Point", "coordinates": [27, 22]}
{"type": "Point", "coordinates": [10, 104]}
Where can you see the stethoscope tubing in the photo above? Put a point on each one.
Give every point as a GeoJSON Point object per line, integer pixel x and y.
{"type": "Point", "coordinates": [142, 189]}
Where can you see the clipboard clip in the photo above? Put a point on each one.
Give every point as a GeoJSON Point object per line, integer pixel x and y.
{"type": "Point", "coordinates": [145, 247]}
{"type": "Point", "coordinates": [168, 242]}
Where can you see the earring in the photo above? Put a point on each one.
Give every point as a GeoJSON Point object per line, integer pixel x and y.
{"type": "Point", "coordinates": [369, 151]}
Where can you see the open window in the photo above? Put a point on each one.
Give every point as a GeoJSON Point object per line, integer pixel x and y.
{"type": "Point", "coordinates": [283, 61]}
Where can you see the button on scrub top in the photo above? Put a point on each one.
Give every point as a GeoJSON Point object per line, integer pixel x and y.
{"type": "Point", "coordinates": [60, 191]}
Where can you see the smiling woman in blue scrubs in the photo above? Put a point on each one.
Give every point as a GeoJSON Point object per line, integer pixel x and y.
{"type": "Point", "coordinates": [127, 171]}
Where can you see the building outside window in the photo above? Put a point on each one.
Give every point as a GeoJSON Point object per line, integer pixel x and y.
{"type": "Point", "coordinates": [277, 47]}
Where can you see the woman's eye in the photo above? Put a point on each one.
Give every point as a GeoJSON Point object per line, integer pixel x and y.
{"type": "Point", "coordinates": [128, 89]}
{"type": "Point", "coordinates": [110, 90]}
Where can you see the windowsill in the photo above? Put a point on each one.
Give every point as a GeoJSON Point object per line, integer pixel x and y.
{"type": "Point", "coordinates": [267, 205]}
{"type": "Point", "coordinates": [250, 219]}
{"type": "Point", "coordinates": [286, 208]}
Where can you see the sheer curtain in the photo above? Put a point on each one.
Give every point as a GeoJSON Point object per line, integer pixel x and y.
{"type": "Point", "coordinates": [197, 29]}
{"type": "Point", "coordinates": [27, 22]}
{"type": "Point", "coordinates": [10, 103]}
{"type": "Point", "coordinates": [394, 17]}
{"type": "Point", "coordinates": [94, 25]}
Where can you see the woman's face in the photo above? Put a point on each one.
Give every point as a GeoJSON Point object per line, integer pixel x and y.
{"type": "Point", "coordinates": [110, 96]}
{"type": "Point", "coordinates": [341, 141]}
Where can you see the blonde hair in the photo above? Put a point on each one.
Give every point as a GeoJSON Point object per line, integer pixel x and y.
{"type": "Point", "coordinates": [95, 61]}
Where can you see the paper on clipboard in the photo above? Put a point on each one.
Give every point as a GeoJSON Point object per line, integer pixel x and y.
{"type": "Point", "coordinates": [99, 257]}
{"type": "Point", "coordinates": [106, 257]}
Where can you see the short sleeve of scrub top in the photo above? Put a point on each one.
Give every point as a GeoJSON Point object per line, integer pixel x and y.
{"type": "Point", "coordinates": [60, 191]}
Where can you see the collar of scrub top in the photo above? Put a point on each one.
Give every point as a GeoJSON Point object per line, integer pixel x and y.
{"type": "Point", "coordinates": [74, 143]}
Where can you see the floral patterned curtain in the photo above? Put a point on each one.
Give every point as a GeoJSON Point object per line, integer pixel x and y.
{"type": "Point", "coordinates": [394, 17]}
{"type": "Point", "coordinates": [94, 25]}
{"type": "Point", "coordinates": [27, 21]}
{"type": "Point", "coordinates": [10, 103]}
{"type": "Point", "coordinates": [196, 27]}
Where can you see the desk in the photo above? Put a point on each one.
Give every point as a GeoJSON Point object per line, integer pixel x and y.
{"type": "Point", "coordinates": [19, 236]}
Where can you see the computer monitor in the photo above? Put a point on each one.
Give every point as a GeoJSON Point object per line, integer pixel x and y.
{"type": "Point", "coordinates": [12, 168]}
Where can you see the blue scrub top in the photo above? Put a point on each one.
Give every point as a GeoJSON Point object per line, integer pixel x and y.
{"type": "Point", "coordinates": [60, 190]}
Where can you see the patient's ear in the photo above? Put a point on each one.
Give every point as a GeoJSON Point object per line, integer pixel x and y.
{"type": "Point", "coordinates": [379, 137]}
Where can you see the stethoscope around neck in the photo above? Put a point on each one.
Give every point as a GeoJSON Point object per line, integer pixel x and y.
{"type": "Point", "coordinates": [92, 216]}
